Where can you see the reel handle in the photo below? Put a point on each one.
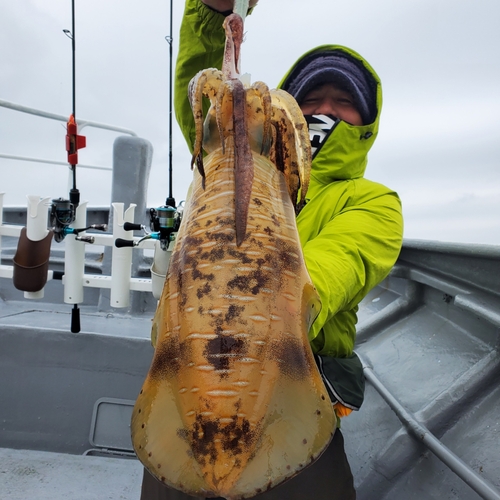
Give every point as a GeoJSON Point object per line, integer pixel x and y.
{"type": "Point", "coordinates": [121, 243]}
{"type": "Point", "coordinates": [85, 239]}
{"type": "Point", "coordinates": [130, 226]}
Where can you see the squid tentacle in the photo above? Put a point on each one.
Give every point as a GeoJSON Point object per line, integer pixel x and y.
{"type": "Point", "coordinates": [244, 169]}
{"type": "Point", "coordinates": [206, 83]}
{"type": "Point", "coordinates": [233, 26]}
{"type": "Point", "coordinates": [293, 161]}
{"type": "Point", "coordinates": [223, 94]}
{"type": "Point", "coordinates": [263, 94]}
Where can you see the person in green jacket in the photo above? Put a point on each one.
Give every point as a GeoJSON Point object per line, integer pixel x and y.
{"type": "Point", "coordinates": [351, 229]}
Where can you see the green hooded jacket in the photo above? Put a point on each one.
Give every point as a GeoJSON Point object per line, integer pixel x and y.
{"type": "Point", "coordinates": [351, 229]}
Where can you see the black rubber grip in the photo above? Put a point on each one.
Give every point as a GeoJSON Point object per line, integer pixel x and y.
{"type": "Point", "coordinates": [75, 319]}
{"type": "Point", "coordinates": [130, 226]}
{"type": "Point", "coordinates": [120, 243]}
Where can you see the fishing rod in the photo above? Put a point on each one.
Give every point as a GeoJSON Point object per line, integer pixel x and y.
{"type": "Point", "coordinates": [74, 142]}
{"type": "Point", "coordinates": [166, 219]}
{"type": "Point", "coordinates": [63, 211]}
{"type": "Point", "coordinates": [169, 38]}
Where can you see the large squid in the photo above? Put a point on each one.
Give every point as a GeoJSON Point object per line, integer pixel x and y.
{"type": "Point", "coordinates": [233, 403]}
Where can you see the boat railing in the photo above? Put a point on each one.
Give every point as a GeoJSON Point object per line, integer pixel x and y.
{"type": "Point", "coordinates": [61, 118]}
{"type": "Point", "coordinates": [74, 279]}
{"type": "Point", "coordinates": [121, 269]}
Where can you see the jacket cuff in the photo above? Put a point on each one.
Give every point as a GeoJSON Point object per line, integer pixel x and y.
{"type": "Point", "coordinates": [344, 380]}
{"type": "Point", "coordinates": [208, 14]}
{"type": "Point", "coordinates": [225, 13]}
{"type": "Point", "coordinates": [217, 12]}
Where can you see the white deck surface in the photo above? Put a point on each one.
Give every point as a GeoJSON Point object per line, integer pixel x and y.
{"type": "Point", "coordinates": [39, 475]}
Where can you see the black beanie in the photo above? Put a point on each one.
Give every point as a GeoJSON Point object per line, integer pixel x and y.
{"type": "Point", "coordinates": [339, 67]}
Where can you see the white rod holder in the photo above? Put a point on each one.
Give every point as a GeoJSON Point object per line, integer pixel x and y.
{"type": "Point", "coordinates": [74, 259]}
{"type": "Point", "coordinates": [121, 262]}
{"type": "Point", "coordinates": [36, 229]}
{"type": "Point", "coordinates": [37, 218]}
{"type": "Point", "coordinates": [159, 268]}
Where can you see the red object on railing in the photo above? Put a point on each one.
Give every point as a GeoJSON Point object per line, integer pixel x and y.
{"type": "Point", "coordinates": [74, 142]}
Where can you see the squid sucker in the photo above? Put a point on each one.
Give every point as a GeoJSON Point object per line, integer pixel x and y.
{"type": "Point", "coordinates": [233, 403]}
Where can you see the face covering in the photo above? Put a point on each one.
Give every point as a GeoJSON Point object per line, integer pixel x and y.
{"type": "Point", "coordinates": [320, 128]}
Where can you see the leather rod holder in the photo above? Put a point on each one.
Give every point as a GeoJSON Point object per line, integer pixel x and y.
{"type": "Point", "coordinates": [31, 262]}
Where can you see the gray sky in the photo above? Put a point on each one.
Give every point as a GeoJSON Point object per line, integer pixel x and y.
{"type": "Point", "coordinates": [439, 144]}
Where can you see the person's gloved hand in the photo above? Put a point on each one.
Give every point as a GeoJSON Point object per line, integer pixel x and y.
{"type": "Point", "coordinates": [341, 410]}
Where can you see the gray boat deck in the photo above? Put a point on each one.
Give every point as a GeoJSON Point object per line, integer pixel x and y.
{"type": "Point", "coordinates": [42, 475]}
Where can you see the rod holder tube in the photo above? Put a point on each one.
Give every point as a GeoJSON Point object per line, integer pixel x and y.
{"type": "Point", "coordinates": [159, 268]}
{"type": "Point", "coordinates": [121, 257]}
{"type": "Point", "coordinates": [36, 231]}
{"type": "Point", "coordinates": [37, 218]}
{"type": "Point", "coordinates": [74, 259]}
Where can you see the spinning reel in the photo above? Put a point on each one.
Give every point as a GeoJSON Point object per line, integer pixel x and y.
{"type": "Point", "coordinates": [163, 222]}
{"type": "Point", "coordinates": [62, 214]}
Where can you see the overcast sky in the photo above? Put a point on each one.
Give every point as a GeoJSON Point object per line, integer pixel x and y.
{"type": "Point", "coordinates": [439, 144]}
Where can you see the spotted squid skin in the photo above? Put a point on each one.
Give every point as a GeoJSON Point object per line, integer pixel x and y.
{"type": "Point", "coordinates": [232, 368]}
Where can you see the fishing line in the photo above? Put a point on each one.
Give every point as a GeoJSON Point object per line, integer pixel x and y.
{"type": "Point", "coordinates": [74, 141]}
{"type": "Point", "coordinates": [170, 201]}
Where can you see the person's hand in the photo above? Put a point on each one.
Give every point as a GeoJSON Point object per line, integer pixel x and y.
{"type": "Point", "coordinates": [225, 5]}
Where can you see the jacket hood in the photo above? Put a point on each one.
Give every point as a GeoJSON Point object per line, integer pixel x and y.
{"type": "Point", "coordinates": [344, 154]}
